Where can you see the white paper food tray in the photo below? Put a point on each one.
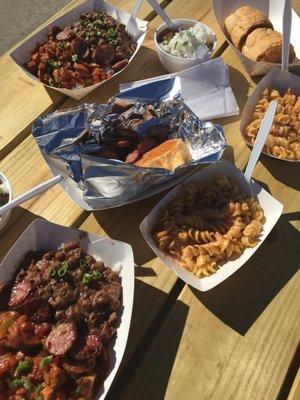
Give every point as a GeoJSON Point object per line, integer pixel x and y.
{"type": "Point", "coordinates": [274, 10]}
{"type": "Point", "coordinates": [272, 209]}
{"type": "Point", "coordinates": [21, 54]}
{"type": "Point", "coordinates": [275, 79]}
{"type": "Point", "coordinates": [42, 234]}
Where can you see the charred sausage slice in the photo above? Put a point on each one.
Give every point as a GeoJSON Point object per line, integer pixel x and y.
{"type": "Point", "coordinates": [61, 339]}
{"type": "Point", "coordinates": [39, 310]}
{"type": "Point", "coordinates": [66, 34]}
{"type": "Point", "coordinates": [20, 294]}
{"type": "Point", "coordinates": [104, 54]}
{"type": "Point", "coordinates": [91, 348]}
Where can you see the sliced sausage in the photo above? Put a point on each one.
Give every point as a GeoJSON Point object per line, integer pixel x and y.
{"type": "Point", "coordinates": [80, 46]}
{"type": "Point", "coordinates": [20, 294]}
{"type": "Point", "coordinates": [61, 339]}
{"type": "Point", "coordinates": [132, 157]}
{"type": "Point", "coordinates": [104, 54]}
{"type": "Point", "coordinates": [71, 245]}
{"type": "Point", "coordinates": [39, 310]}
{"type": "Point", "coordinates": [92, 347]}
{"type": "Point", "coordinates": [119, 65]}
{"type": "Point", "coordinates": [66, 34]}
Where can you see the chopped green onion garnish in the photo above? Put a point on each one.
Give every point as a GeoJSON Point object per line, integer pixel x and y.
{"type": "Point", "coordinates": [74, 57]}
{"type": "Point", "coordinates": [62, 271]}
{"type": "Point", "coordinates": [38, 388]}
{"type": "Point", "coordinates": [86, 278]}
{"type": "Point", "coordinates": [27, 384]}
{"type": "Point", "coordinates": [97, 275]}
{"type": "Point", "coordinates": [52, 273]}
{"type": "Point", "coordinates": [112, 32]}
{"type": "Point", "coordinates": [61, 45]}
{"type": "Point", "coordinates": [17, 382]}
{"type": "Point", "coordinates": [82, 263]}
{"type": "Point", "coordinates": [52, 64]}
{"type": "Point", "coordinates": [23, 366]}
{"type": "Point", "coordinates": [45, 361]}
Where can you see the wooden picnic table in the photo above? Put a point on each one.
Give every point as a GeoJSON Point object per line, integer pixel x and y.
{"type": "Point", "coordinates": [237, 341]}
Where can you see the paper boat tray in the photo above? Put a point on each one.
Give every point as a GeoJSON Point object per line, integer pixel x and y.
{"type": "Point", "coordinates": [21, 54]}
{"type": "Point", "coordinates": [42, 234]}
{"type": "Point", "coordinates": [275, 79]}
{"type": "Point", "coordinates": [272, 209]}
{"type": "Point", "coordinates": [274, 10]}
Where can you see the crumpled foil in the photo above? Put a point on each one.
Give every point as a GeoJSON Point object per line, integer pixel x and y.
{"type": "Point", "coordinates": [76, 136]}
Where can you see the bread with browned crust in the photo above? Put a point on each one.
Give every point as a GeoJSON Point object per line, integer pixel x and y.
{"type": "Point", "coordinates": [169, 155]}
{"type": "Point", "coordinates": [242, 22]}
{"type": "Point", "coordinates": [265, 45]}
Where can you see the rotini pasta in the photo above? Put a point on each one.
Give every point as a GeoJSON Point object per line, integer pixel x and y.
{"type": "Point", "coordinates": [207, 223]}
{"type": "Point", "coordinates": [283, 140]}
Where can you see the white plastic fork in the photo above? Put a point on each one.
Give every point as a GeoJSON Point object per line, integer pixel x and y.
{"type": "Point", "coordinates": [42, 187]}
{"type": "Point", "coordinates": [157, 8]}
{"type": "Point", "coordinates": [260, 140]}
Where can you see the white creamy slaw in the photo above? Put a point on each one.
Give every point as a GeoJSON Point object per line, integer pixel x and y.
{"type": "Point", "coordinates": [188, 43]}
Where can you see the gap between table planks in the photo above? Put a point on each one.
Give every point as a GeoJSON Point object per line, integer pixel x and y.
{"type": "Point", "coordinates": [23, 99]}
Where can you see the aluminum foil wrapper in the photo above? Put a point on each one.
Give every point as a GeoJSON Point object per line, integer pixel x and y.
{"type": "Point", "coordinates": [74, 138]}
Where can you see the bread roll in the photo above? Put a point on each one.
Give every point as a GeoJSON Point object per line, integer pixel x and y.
{"type": "Point", "coordinates": [169, 155]}
{"type": "Point", "coordinates": [243, 21]}
{"type": "Point", "coordinates": [265, 45]}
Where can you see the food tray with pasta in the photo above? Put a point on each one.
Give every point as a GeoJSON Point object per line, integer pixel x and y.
{"type": "Point", "coordinates": [254, 32]}
{"type": "Point", "coordinates": [207, 227]}
{"type": "Point", "coordinates": [59, 333]}
{"type": "Point", "coordinates": [82, 49]}
{"type": "Point", "coordinates": [283, 141]}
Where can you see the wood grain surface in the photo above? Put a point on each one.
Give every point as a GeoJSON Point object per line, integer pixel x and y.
{"type": "Point", "coordinates": [238, 341]}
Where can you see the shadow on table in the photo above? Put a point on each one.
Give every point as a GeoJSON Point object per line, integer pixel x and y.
{"type": "Point", "coordinates": [229, 154]}
{"type": "Point", "coordinates": [146, 348]}
{"type": "Point", "coordinates": [19, 220]}
{"type": "Point", "coordinates": [122, 224]}
{"type": "Point", "coordinates": [241, 298]}
{"type": "Point", "coordinates": [290, 376]}
{"type": "Point", "coordinates": [286, 172]}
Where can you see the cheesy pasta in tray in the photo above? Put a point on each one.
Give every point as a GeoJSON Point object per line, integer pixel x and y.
{"type": "Point", "coordinates": [283, 140]}
{"type": "Point", "coordinates": [210, 225]}
{"type": "Point", "coordinates": [207, 224]}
